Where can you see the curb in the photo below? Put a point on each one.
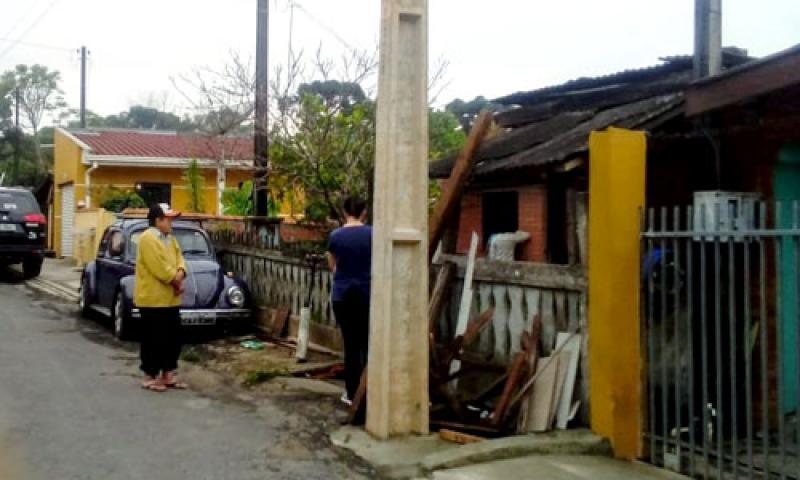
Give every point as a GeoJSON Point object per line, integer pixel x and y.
{"type": "Point", "coordinates": [53, 289]}
{"type": "Point", "coordinates": [421, 456]}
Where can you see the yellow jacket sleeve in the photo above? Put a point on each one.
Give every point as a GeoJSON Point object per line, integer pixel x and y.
{"type": "Point", "coordinates": [153, 258]}
{"type": "Point", "coordinates": [179, 255]}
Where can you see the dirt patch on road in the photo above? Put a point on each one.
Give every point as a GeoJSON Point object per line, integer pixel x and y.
{"type": "Point", "coordinates": [303, 411]}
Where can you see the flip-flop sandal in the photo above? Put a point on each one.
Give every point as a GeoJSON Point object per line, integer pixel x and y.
{"type": "Point", "coordinates": [177, 385]}
{"type": "Point", "coordinates": [154, 386]}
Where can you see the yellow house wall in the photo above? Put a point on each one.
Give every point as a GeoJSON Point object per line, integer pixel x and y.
{"type": "Point", "coordinates": [616, 195]}
{"type": "Point", "coordinates": [67, 168]}
{"type": "Point", "coordinates": [88, 229]}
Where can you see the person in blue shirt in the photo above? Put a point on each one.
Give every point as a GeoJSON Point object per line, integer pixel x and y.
{"type": "Point", "coordinates": [350, 258]}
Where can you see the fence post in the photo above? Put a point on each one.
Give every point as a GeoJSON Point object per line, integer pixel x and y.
{"type": "Point", "coordinates": [616, 195]}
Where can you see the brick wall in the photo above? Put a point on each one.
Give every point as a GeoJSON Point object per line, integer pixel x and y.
{"type": "Point", "coordinates": [471, 220]}
{"type": "Point", "coordinates": [532, 219]}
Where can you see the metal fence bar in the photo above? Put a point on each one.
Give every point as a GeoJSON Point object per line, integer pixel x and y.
{"type": "Point", "coordinates": [663, 349]}
{"type": "Point", "coordinates": [707, 438]}
{"type": "Point", "coordinates": [651, 344]}
{"type": "Point", "coordinates": [690, 335]}
{"type": "Point", "coordinates": [764, 340]}
{"type": "Point", "coordinates": [776, 233]}
{"type": "Point", "coordinates": [718, 344]}
{"type": "Point", "coordinates": [796, 251]}
{"type": "Point", "coordinates": [732, 347]}
{"type": "Point", "coordinates": [676, 281]}
{"type": "Point", "coordinates": [779, 345]}
{"type": "Point", "coordinates": [748, 349]}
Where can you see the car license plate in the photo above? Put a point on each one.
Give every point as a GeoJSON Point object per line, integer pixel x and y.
{"type": "Point", "coordinates": [199, 318]}
{"type": "Point", "coordinates": [8, 227]}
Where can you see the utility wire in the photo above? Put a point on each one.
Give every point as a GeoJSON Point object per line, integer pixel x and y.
{"type": "Point", "coordinates": [21, 19]}
{"type": "Point", "coordinates": [324, 25]}
{"type": "Point", "coordinates": [28, 29]}
{"type": "Point", "coordinates": [35, 45]}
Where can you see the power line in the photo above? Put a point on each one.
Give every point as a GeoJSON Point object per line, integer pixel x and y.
{"type": "Point", "coordinates": [30, 27]}
{"type": "Point", "coordinates": [21, 19]}
{"type": "Point", "coordinates": [324, 25]}
{"type": "Point", "coordinates": [35, 45]}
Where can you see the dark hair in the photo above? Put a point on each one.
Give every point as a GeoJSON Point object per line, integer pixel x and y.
{"type": "Point", "coordinates": [154, 214]}
{"type": "Point", "coordinates": [354, 206]}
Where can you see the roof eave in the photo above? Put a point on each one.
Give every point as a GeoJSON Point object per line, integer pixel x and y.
{"type": "Point", "coordinates": [77, 141]}
{"type": "Point", "coordinates": [162, 162]}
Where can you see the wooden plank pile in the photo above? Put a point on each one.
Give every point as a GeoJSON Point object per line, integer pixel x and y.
{"type": "Point", "coordinates": [533, 393]}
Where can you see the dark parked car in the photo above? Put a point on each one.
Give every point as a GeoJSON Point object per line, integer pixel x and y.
{"type": "Point", "coordinates": [23, 231]}
{"type": "Point", "coordinates": [212, 297]}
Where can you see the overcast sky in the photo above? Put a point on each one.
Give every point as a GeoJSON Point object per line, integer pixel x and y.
{"type": "Point", "coordinates": [494, 47]}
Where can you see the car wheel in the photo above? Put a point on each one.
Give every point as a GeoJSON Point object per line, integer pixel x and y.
{"type": "Point", "coordinates": [84, 302]}
{"type": "Point", "coordinates": [119, 315]}
{"type": "Point", "coordinates": [32, 267]}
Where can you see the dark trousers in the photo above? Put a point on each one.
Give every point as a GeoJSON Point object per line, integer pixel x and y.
{"type": "Point", "coordinates": [160, 339]}
{"type": "Point", "coordinates": [352, 315]}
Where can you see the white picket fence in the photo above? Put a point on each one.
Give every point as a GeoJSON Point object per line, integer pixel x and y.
{"type": "Point", "coordinates": [518, 291]}
{"type": "Point", "coordinates": [276, 280]}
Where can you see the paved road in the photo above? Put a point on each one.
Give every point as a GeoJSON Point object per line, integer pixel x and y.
{"type": "Point", "coordinates": [71, 408]}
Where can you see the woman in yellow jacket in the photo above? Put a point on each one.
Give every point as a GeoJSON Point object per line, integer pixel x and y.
{"type": "Point", "coordinates": [160, 271]}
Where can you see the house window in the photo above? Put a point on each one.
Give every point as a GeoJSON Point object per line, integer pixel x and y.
{"type": "Point", "coordinates": [153, 193]}
{"type": "Point", "coordinates": [499, 213]}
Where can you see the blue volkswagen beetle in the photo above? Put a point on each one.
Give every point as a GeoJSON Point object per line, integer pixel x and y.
{"type": "Point", "coordinates": [212, 296]}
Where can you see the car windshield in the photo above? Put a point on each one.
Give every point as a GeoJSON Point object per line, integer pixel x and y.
{"type": "Point", "coordinates": [191, 242]}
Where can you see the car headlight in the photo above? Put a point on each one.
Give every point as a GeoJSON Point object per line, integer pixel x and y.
{"type": "Point", "coordinates": [236, 296]}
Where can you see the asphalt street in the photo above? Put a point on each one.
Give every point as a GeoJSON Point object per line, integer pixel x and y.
{"type": "Point", "coordinates": [71, 408]}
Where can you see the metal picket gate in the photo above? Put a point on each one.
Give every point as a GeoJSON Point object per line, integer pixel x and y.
{"type": "Point", "coordinates": [720, 306]}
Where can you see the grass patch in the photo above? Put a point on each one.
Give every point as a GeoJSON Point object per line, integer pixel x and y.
{"type": "Point", "coordinates": [256, 377]}
{"type": "Point", "coordinates": [191, 355]}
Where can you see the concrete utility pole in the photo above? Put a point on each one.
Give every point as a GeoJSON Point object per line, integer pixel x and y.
{"type": "Point", "coordinates": [83, 87]}
{"type": "Point", "coordinates": [397, 394]}
{"type": "Point", "coordinates": [261, 140]}
{"type": "Point", "coordinates": [707, 38]}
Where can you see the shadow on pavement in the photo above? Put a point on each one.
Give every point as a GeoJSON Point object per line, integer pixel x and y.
{"type": "Point", "coordinates": [10, 275]}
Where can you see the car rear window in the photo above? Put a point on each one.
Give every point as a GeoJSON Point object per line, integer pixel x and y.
{"type": "Point", "coordinates": [18, 203]}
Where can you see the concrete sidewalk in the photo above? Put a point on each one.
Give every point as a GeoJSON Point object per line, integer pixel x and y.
{"type": "Point", "coordinates": [59, 278]}
{"type": "Point", "coordinates": [567, 455]}
{"type": "Point", "coordinates": [557, 467]}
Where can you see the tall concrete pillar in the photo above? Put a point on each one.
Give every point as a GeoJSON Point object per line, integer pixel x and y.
{"type": "Point", "coordinates": [397, 394]}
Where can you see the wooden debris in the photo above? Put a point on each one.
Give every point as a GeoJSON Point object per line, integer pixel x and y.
{"type": "Point", "coordinates": [358, 409]}
{"type": "Point", "coordinates": [572, 348]}
{"type": "Point", "coordinates": [280, 319]}
{"type": "Point", "coordinates": [540, 400]}
{"type": "Point", "coordinates": [451, 196]}
{"type": "Point", "coordinates": [446, 273]}
{"type": "Point", "coordinates": [515, 372]}
{"type": "Point", "coordinates": [525, 388]}
{"type": "Point", "coordinates": [558, 388]}
{"type": "Point", "coordinates": [458, 437]}
{"type": "Point", "coordinates": [483, 430]}
{"type": "Point", "coordinates": [530, 343]}
{"type": "Point", "coordinates": [465, 309]}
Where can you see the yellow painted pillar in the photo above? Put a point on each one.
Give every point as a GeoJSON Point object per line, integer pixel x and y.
{"type": "Point", "coordinates": [616, 194]}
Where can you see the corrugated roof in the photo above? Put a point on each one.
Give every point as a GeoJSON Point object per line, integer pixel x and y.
{"type": "Point", "coordinates": [731, 57]}
{"type": "Point", "coordinates": [576, 140]}
{"type": "Point", "coordinates": [155, 144]}
{"type": "Point", "coordinates": [560, 137]}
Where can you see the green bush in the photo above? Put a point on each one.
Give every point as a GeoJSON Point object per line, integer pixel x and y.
{"type": "Point", "coordinates": [238, 201]}
{"type": "Point", "coordinates": [116, 200]}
